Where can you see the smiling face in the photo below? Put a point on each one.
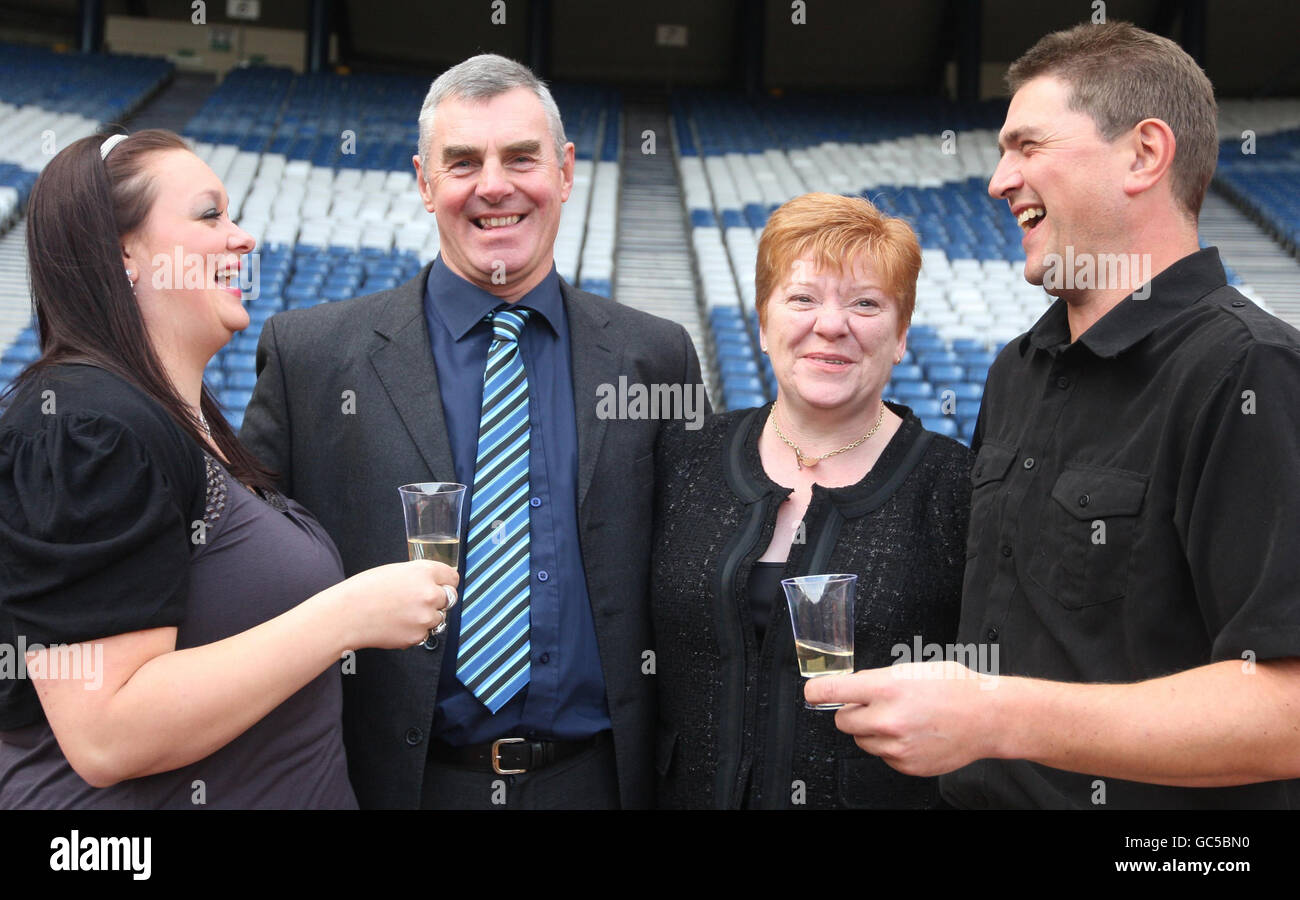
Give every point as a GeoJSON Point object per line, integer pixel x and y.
{"type": "Point", "coordinates": [493, 181]}
{"type": "Point", "coordinates": [833, 337]}
{"type": "Point", "coordinates": [192, 310]}
{"type": "Point", "coordinates": [1062, 180]}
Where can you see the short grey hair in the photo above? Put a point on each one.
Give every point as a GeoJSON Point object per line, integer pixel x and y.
{"type": "Point", "coordinates": [483, 77]}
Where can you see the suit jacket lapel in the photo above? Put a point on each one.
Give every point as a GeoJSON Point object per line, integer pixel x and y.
{"type": "Point", "coordinates": [403, 359]}
{"type": "Point", "coordinates": [596, 355]}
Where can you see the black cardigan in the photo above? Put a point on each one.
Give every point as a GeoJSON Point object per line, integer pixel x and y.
{"type": "Point", "coordinates": [733, 730]}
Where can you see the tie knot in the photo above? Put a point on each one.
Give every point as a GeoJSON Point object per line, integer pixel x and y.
{"type": "Point", "coordinates": [508, 323]}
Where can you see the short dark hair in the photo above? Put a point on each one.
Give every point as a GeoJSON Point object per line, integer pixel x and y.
{"type": "Point", "coordinates": [81, 208]}
{"type": "Point", "coordinates": [1119, 75]}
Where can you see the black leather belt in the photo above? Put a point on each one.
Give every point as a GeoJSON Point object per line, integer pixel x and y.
{"type": "Point", "coordinates": [511, 755]}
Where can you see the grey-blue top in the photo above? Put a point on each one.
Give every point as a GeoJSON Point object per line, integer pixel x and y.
{"type": "Point", "coordinates": [256, 558]}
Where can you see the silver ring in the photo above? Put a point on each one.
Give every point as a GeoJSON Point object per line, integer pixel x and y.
{"type": "Point", "coordinates": [452, 599]}
{"type": "Point", "coordinates": [442, 626]}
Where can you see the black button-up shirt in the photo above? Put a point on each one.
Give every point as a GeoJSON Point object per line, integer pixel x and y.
{"type": "Point", "coordinates": [1135, 513]}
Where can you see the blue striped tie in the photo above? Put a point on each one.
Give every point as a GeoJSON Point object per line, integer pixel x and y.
{"type": "Point", "coordinates": [493, 657]}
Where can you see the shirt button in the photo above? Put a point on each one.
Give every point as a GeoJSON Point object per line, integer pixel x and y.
{"type": "Point", "coordinates": [1238, 303]}
{"type": "Point", "coordinates": [545, 658]}
{"type": "Point", "coordinates": [1063, 382]}
{"type": "Point", "coordinates": [993, 634]}
{"type": "Point", "coordinates": [1083, 499]}
{"type": "Point", "coordinates": [542, 575]}
{"type": "Point", "coordinates": [414, 736]}
{"type": "Point", "coordinates": [430, 643]}
{"type": "Point", "coordinates": [535, 502]}
{"type": "Point", "coordinates": [1006, 549]}
{"type": "Point", "coordinates": [1029, 462]}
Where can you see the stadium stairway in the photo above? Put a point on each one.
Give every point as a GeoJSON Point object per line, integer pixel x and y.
{"type": "Point", "coordinates": [176, 104]}
{"type": "Point", "coordinates": [653, 270]}
{"type": "Point", "coordinates": [170, 108]}
{"type": "Point", "coordinates": [1256, 257]}
{"type": "Point", "coordinates": [15, 298]}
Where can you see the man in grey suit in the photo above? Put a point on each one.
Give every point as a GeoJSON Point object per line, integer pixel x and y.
{"type": "Point", "coordinates": [540, 692]}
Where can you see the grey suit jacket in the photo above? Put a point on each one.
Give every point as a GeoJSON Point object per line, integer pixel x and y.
{"type": "Point", "coordinates": [347, 408]}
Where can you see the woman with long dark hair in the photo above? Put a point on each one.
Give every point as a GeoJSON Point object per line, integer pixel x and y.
{"type": "Point", "coordinates": [171, 622]}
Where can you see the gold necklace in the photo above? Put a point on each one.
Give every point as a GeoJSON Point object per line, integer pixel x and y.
{"type": "Point", "coordinates": [810, 461]}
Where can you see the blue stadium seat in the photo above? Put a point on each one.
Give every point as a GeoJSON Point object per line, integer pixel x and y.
{"type": "Point", "coordinates": [926, 409]}
{"type": "Point", "coordinates": [943, 372]}
{"type": "Point", "coordinates": [732, 365]}
{"type": "Point", "coordinates": [908, 391]}
{"type": "Point", "coordinates": [941, 425]}
{"type": "Point", "coordinates": [743, 399]}
{"type": "Point", "coordinates": [241, 379]}
{"type": "Point", "coordinates": [233, 399]}
{"type": "Point", "coordinates": [233, 361]}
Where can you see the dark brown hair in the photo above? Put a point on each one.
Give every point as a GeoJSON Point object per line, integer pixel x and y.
{"type": "Point", "coordinates": [81, 209]}
{"type": "Point", "coordinates": [1119, 75]}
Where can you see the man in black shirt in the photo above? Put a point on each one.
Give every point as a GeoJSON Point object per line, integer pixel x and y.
{"type": "Point", "coordinates": [1133, 524]}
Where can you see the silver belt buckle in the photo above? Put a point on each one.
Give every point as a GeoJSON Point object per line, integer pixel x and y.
{"type": "Point", "coordinates": [496, 756]}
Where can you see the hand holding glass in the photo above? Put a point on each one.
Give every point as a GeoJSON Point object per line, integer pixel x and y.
{"type": "Point", "coordinates": [821, 614]}
{"type": "Point", "coordinates": [432, 511]}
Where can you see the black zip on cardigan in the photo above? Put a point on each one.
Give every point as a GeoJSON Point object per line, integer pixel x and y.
{"type": "Point", "coordinates": [755, 716]}
{"type": "Point", "coordinates": [733, 765]}
{"type": "Point", "coordinates": [778, 743]}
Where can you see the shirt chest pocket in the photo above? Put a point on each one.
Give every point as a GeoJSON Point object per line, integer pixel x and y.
{"type": "Point", "coordinates": [986, 476]}
{"type": "Point", "coordinates": [1086, 546]}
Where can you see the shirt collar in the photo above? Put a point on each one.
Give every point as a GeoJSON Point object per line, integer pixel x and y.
{"type": "Point", "coordinates": [1133, 318]}
{"type": "Point", "coordinates": [460, 305]}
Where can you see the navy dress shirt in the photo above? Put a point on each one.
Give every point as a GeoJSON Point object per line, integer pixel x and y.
{"type": "Point", "coordinates": [565, 695]}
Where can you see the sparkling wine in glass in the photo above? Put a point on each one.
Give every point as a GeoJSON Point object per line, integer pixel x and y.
{"type": "Point", "coordinates": [443, 548]}
{"type": "Point", "coordinates": [822, 659]}
{"type": "Point", "coordinates": [432, 511]}
{"type": "Point", "coordinates": [821, 614]}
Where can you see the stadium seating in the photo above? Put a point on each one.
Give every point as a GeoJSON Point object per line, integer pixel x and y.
{"type": "Point", "coordinates": [47, 101]}
{"type": "Point", "coordinates": [927, 161]}
{"type": "Point", "coordinates": [318, 170]}
{"type": "Point", "coordinates": [1259, 163]}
